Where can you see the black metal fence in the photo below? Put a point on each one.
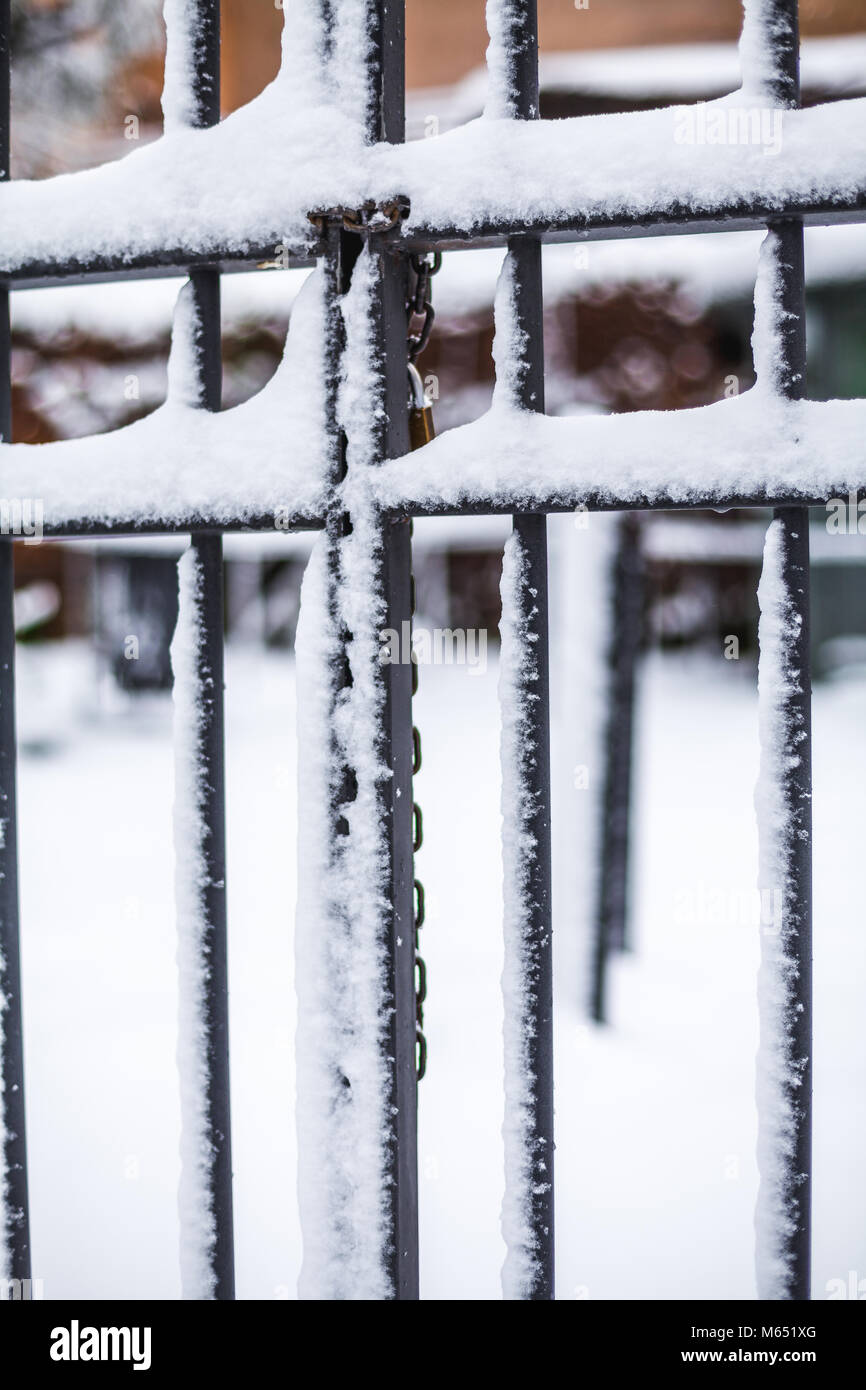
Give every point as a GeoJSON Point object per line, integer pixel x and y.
{"type": "Point", "coordinates": [340, 235]}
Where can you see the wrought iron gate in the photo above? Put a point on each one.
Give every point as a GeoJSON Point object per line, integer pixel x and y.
{"type": "Point", "coordinates": [380, 237]}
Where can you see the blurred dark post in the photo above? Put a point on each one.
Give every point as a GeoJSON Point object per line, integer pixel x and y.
{"type": "Point", "coordinates": [13, 1164]}
{"type": "Point", "coordinates": [611, 931]}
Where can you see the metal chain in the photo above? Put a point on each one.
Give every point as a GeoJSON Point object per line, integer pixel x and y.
{"type": "Point", "coordinates": [417, 841]}
{"type": "Point", "coordinates": [419, 306]}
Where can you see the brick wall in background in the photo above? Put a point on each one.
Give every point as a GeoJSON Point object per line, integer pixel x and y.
{"type": "Point", "coordinates": [447, 38]}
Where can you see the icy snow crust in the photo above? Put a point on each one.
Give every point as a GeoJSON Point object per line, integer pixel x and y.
{"type": "Point", "coordinates": [517, 666]}
{"type": "Point", "coordinates": [299, 147]}
{"type": "Point", "coordinates": [265, 457]}
{"type": "Point", "coordinates": [779, 1068]}
{"type": "Point", "coordinates": [744, 447]}
{"type": "Point", "coordinates": [251, 182]}
{"type": "Point", "coordinates": [183, 22]}
{"type": "Point", "coordinates": [517, 671]}
{"type": "Point", "coordinates": [344, 997]}
{"type": "Point", "coordinates": [197, 1222]}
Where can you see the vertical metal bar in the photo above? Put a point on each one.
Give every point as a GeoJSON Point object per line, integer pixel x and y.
{"type": "Point", "coordinates": [204, 21]}
{"type": "Point", "coordinates": [795, 1163]}
{"type": "Point", "coordinates": [521, 44]}
{"type": "Point", "coordinates": [388, 108]}
{"type": "Point", "coordinates": [534, 776]}
{"type": "Point", "coordinates": [795, 757]}
{"type": "Point", "coordinates": [625, 641]}
{"type": "Point", "coordinates": [391, 559]}
{"type": "Point", "coordinates": [397, 752]}
{"type": "Point", "coordinates": [781, 33]}
{"type": "Point", "coordinates": [15, 1236]}
{"type": "Point", "coordinates": [395, 579]}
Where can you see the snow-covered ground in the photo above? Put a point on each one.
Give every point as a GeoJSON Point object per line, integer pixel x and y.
{"type": "Point", "coordinates": [656, 1176]}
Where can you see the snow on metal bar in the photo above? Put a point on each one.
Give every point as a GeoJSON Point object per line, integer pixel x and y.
{"type": "Point", "coordinates": [784, 792]}
{"type": "Point", "coordinates": [198, 1233]}
{"type": "Point", "coordinates": [753, 447]}
{"type": "Point", "coordinates": [253, 180]}
{"type": "Point", "coordinates": [768, 49]}
{"type": "Point", "coordinates": [264, 458]}
{"type": "Point", "coordinates": [528, 1159]}
{"type": "Point", "coordinates": [512, 54]}
{"type": "Point", "coordinates": [345, 1125]}
{"type": "Point", "coordinates": [759, 446]}
{"type": "Point", "coordinates": [527, 1213]}
{"type": "Point", "coordinates": [187, 83]}
{"type": "Point", "coordinates": [351, 63]}
{"type": "Point", "coordinates": [784, 1057]}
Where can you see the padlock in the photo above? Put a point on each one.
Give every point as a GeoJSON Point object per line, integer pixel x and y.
{"type": "Point", "coordinates": [421, 427]}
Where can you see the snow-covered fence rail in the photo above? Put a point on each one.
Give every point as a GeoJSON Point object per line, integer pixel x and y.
{"type": "Point", "coordinates": [316, 171]}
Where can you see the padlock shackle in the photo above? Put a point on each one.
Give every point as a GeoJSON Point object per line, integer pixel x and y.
{"type": "Point", "coordinates": [417, 395]}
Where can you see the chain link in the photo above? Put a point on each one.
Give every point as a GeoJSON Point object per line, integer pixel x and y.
{"type": "Point", "coordinates": [419, 306]}
{"type": "Point", "coordinates": [418, 889]}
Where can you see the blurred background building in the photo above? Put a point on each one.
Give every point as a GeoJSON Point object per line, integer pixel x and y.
{"type": "Point", "coordinates": [630, 326]}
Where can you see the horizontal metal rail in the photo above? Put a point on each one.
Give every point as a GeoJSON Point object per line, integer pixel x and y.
{"type": "Point", "coordinates": [506, 505]}
{"type": "Point", "coordinates": [165, 265]}
{"type": "Point", "coordinates": [131, 526]}
{"type": "Point", "coordinates": [673, 221]}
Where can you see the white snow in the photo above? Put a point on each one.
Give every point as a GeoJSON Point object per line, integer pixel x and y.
{"type": "Point", "coordinates": [182, 26]}
{"type": "Point", "coordinates": [672, 1219]}
{"type": "Point", "coordinates": [184, 375]}
{"type": "Point", "coordinates": [732, 448]}
{"type": "Point", "coordinates": [197, 1223]}
{"type": "Point", "coordinates": [508, 341]}
{"type": "Point", "coordinates": [779, 1067]}
{"type": "Point", "coordinates": [344, 998]}
{"type": "Point", "coordinates": [351, 54]}
{"type": "Point", "coordinates": [501, 16]}
{"type": "Point", "coordinates": [763, 22]}
{"type": "Point", "coordinates": [264, 457]}
{"type": "Point", "coordinates": [319, 934]}
{"type": "Point", "coordinates": [253, 180]}
{"type": "Point", "coordinates": [767, 342]}
{"type": "Point", "coordinates": [618, 166]}
{"type": "Point", "coordinates": [517, 667]}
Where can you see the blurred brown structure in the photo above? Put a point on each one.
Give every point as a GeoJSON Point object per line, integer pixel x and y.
{"type": "Point", "coordinates": [446, 39]}
{"type": "Point", "coordinates": [624, 345]}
